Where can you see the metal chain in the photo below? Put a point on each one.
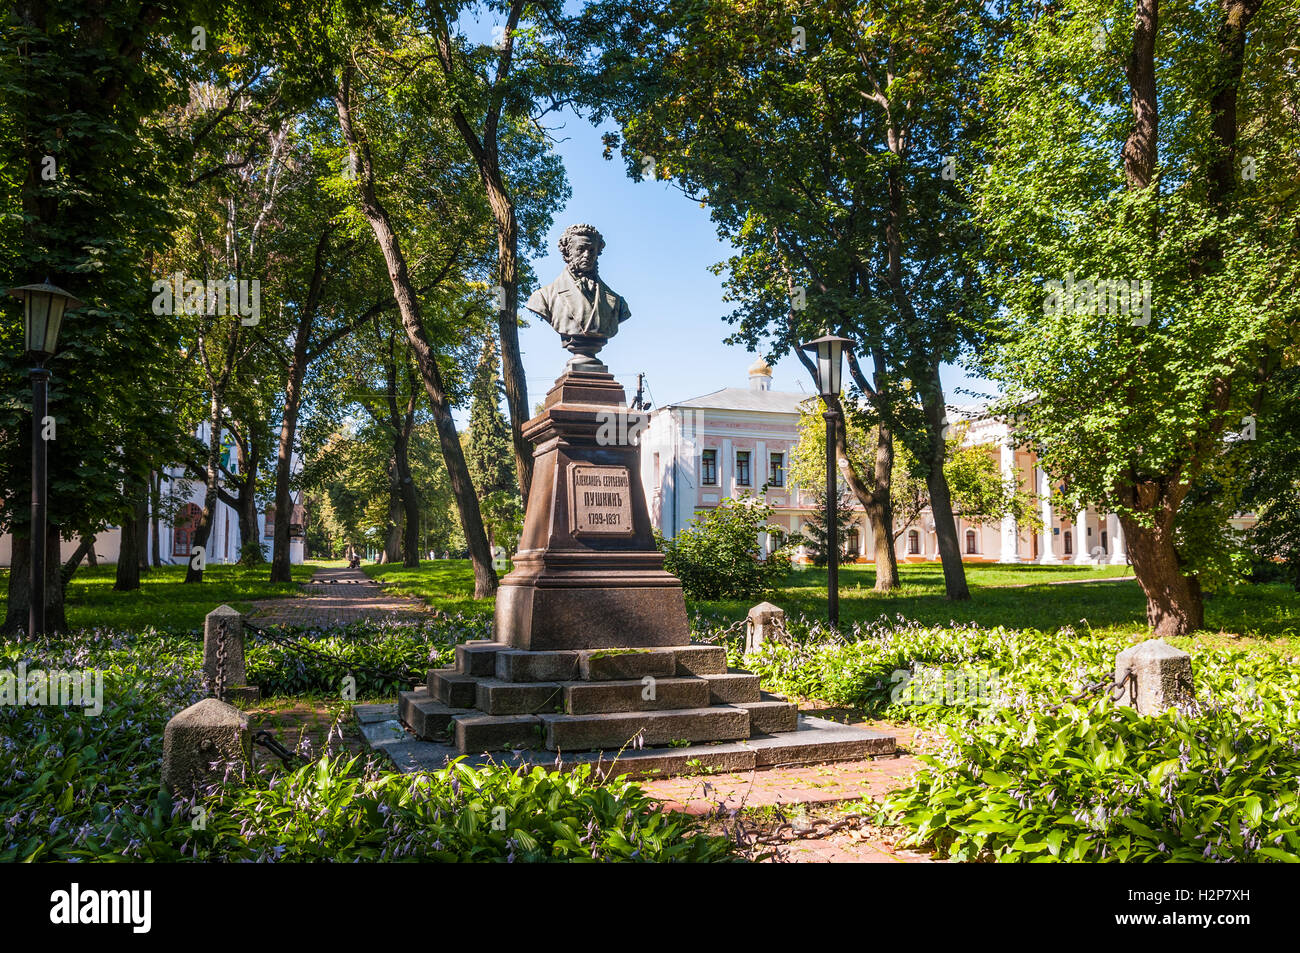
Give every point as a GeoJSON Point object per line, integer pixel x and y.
{"type": "Point", "coordinates": [1097, 688]}
{"type": "Point", "coordinates": [219, 679]}
{"type": "Point", "coordinates": [296, 645]}
{"type": "Point", "coordinates": [265, 739]}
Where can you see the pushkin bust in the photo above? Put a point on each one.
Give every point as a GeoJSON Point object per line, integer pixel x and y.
{"type": "Point", "coordinates": [583, 309]}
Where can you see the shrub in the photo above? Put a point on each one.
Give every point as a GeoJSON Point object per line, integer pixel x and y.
{"type": "Point", "coordinates": [718, 556]}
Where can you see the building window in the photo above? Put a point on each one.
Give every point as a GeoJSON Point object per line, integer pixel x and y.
{"type": "Point", "coordinates": [1105, 548]}
{"type": "Point", "coordinates": [187, 521]}
{"type": "Point", "coordinates": [269, 531]}
{"type": "Point", "coordinates": [709, 468]}
{"type": "Point", "coordinates": [913, 543]}
{"type": "Point", "coordinates": [854, 544]}
{"type": "Point", "coordinates": [777, 475]}
{"type": "Point", "coordinates": [970, 542]}
{"type": "Point", "coordinates": [1069, 543]}
{"type": "Point", "coordinates": [742, 468]}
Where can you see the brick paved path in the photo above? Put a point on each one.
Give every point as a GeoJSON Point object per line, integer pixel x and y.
{"type": "Point", "coordinates": [811, 788]}
{"type": "Point", "coordinates": [335, 597]}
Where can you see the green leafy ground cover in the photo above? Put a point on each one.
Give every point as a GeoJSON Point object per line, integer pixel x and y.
{"type": "Point", "coordinates": [1021, 777]}
{"type": "Point", "coordinates": [80, 787]}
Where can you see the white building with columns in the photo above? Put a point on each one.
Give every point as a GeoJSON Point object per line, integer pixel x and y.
{"type": "Point", "coordinates": [737, 441]}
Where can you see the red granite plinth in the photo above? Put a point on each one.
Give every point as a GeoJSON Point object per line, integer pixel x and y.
{"type": "Point", "coordinates": [573, 588]}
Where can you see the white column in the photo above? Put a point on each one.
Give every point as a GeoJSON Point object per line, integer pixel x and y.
{"type": "Point", "coordinates": [1047, 554]}
{"type": "Point", "coordinates": [1009, 554]}
{"type": "Point", "coordinates": [1118, 552]}
{"type": "Point", "coordinates": [1081, 540]}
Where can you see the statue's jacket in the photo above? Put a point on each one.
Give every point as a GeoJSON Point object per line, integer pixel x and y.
{"type": "Point", "coordinates": [572, 311]}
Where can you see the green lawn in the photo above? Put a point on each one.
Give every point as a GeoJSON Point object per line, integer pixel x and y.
{"type": "Point", "coordinates": [163, 599]}
{"type": "Point", "coordinates": [1015, 596]}
{"type": "Point", "coordinates": [446, 584]}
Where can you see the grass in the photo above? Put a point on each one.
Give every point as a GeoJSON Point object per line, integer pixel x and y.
{"type": "Point", "coordinates": [163, 599]}
{"type": "Point", "coordinates": [446, 584]}
{"type": "Point", "coordinates": [1021, 597]}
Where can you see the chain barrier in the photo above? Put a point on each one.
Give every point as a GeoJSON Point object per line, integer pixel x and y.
{"type": "Point", "coordinates": [219, 677]}
{"type": "Point", "coordinates": [1128, 680]}
{"type": "Point", "coordinates": [295, 645]}
{"type": "Point", "coordinates": [263, 738]}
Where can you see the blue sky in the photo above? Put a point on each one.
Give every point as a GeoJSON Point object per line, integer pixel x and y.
{"type": "Point", "coordinates": [659, 246]}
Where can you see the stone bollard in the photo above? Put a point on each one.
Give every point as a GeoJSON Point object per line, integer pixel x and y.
{"type": "Point", "coordinates": [205, 733]}
{"type": "Point", "coordinates": [764, 623]}
{"type": "Point", "coordinates": [226, 624]}
{"type": "Point", "coordinates": [1163, 676]}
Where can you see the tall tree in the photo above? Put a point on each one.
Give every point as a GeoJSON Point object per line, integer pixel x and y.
{"type": "Point", "coordinates": [818, 136]}
{"type": "Point", "coordinates": [1142, 229]}
{"type": "Point", "coordinates": [494, 90]}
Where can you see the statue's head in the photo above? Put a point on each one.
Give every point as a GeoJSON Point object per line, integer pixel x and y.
{"type": "Point", "coordinates": [580, 246]}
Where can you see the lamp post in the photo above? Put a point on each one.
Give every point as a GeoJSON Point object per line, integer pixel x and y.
{"type": "Point", "coordinates": [829, 354]}
{"type": "Point", "coordinates": [43, 307]}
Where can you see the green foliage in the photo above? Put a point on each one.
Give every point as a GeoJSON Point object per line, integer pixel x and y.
{"type": "Point", "coordinates": [816, 529]}
{"type": "Point", "coordinates": [1017, 781]}
{"type": "Point", "coordinates": [81, 787]}
{"type": "Point", "coordinates": [340, 811]}
{"type": "Point", "coordinates": [366, 650]}
{"type": "Point", "coordinates": [718, 555]}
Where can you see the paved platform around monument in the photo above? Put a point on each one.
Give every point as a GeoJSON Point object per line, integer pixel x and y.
{"type": "Point", "coordinates": [816, 739]}
{"type": "Point", "coordinates": [807, 786]}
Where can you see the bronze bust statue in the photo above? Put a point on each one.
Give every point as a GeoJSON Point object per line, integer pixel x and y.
{"type": "Point", "coordinates": [583, 309]}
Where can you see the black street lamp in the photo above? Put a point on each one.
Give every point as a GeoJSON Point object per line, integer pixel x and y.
{"type": "Point", "coordinates": [829, 353]}
{"type": "Point", "coordinates": [43, 307]}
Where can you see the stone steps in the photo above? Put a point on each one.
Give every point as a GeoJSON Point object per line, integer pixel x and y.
{"type": "Point", "coordinates": [670, 699]}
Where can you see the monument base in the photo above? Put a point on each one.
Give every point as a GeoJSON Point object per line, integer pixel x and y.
{"type": "Point", "coordinates": [588, 574]}
{"type": "Point", "coordinates": [654, 710]}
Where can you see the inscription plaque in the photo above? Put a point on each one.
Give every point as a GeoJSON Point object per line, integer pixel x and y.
{"type": "Point", "coordinates": [600, 501]}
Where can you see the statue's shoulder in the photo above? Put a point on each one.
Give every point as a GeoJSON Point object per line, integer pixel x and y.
{"type": "Point", "coordinates": [542, 299]}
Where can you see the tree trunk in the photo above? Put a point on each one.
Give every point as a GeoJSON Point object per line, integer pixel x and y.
{"type": "Point", "coordinates": [485, 579]}
{"type": "Point", "coordinates": [55, 620]}
{"type": "Point", "coordinates": [84, 549]}
{"type": "Point", "coordinates": [936, 481]}
{"type": "Point", "coordinates": [92, 560]}
{"type": "Point", "coordinates": [18, 602]}
{"type": "Point", "coordinates": [1174, 604]}
{"type": "Point", "coordinates": [128, 558]}
{"type": "Point", "coordinates": [155, 531]}
{"type": "Point", "coordinates": [204, 529]}
{"type": "Point", "coordinates": [880, 511]}
{"type": "Point", "coordinates": [281, 570]}
{"type": "Point", "coordinates": [487, 157]}
{"type": "Point", "coordinates": [141, 529]}
{"type": "Point", "coordinates": [410, 503]}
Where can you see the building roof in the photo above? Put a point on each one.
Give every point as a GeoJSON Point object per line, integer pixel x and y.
{"type": "Point", "coordinates": [744, 398]}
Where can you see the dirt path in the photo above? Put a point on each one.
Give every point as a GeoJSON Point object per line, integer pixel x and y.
{"type": "Point", "coordinates": [335, 597]}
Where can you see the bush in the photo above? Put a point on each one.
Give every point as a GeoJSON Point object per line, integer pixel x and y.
{"type": "Point", "coordinates": [718, 555]}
